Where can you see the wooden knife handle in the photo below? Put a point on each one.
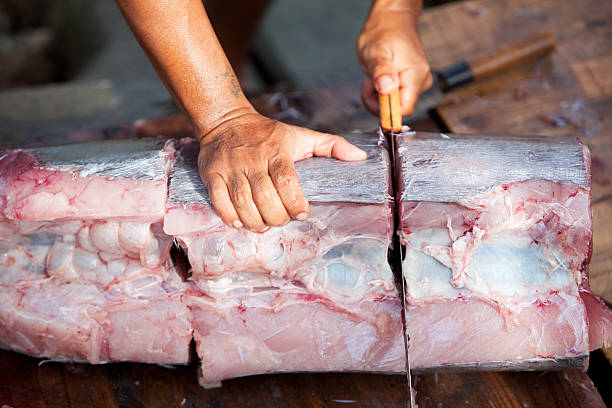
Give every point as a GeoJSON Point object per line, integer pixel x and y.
{"type": "Point", "coordinates": [499, 61]}
{"type": "Point", "coordinates": [390, 112]}
{"type": "Point", "coordinates": [515, 54]}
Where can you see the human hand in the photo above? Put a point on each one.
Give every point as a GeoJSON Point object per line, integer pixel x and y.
{"type": "Point", "coordinates": [246, 163]}
{"type": "Point", "coordinates": [391, 55]}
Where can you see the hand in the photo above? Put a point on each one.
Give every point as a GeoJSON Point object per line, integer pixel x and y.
{"type": "Point", "coordinates": [246, 163]}
{"type": "Point", "coordinates": [391, 55]}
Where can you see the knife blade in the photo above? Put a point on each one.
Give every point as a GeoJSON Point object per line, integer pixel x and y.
{"type": "Point", "coordinates": [390, 123]}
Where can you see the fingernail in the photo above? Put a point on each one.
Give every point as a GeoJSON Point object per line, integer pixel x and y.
{"type": "Point", "coordinates": [302, 216]}
{"type": "Point", "coordinates": [237, 224]}
{"type": "Point", "coordinates": [384, 83]}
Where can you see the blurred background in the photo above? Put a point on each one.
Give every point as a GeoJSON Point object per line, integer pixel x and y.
{"type": "Point", "coordinates": [69, 62]}
{"type": "Point", "coordinates": [300, 43]}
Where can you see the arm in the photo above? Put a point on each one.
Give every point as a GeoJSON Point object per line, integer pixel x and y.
{"type": "Point", "coordinates": [246, 160]}
{"type": "Point", "coordinates": [391, 54]}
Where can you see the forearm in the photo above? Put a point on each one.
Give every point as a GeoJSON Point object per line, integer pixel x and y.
{"type": "Point", "coordinates": [183, 48]}
{"type": "Point", "coordinates": [413, 7]}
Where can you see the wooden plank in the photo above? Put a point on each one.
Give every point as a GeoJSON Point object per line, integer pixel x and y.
{"type": "Point", "coordinates": [534, 389]}
{"type": "Point", "coordinates": [594, 76]}
{"type": "Point", "coordinates": [143, 385]}
{"type": "Point", "coordinates": [19, 385]}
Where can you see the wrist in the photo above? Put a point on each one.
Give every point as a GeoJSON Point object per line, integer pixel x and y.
{"type": "Point", "coordinates": [409, 8]}
{"type": "Point", "coordinates": [384, 24]}
{"type": "Point", "coordinates": [230, 120]}
{"type": "Point", "coordinates": [208, 125]}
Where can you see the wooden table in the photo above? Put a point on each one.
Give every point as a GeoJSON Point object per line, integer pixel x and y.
{"type": "Point", "coordinates": [26, 383]}
{"type": "Point", "coordinates": [569, 92]}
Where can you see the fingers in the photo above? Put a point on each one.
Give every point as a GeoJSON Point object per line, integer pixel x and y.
{"type": "Point", "coordinates": [327, 145]}
{"type": "Point", "coordinates": [369, 97]}
{"type": "Point", "coordinates": [413, 82]}
{"type": "Point", "coordinates": [256, 186]}
{"type": "Point", "coordinates": [283, 175]}
{"type": "Point", "coordinates": [409, 91]}
{"type": "Point", "coordinates": [242, 199]}
{"type": "Point", "coordinates": [254, 201]}
{"type": "Point", "coordinates": [221, 201]}
{"type": "Point", "coordinates": [380, 68]}
{"type": "Point", "coordinates": [386, 78]}
{"type": "Point", "coordinates": [267, 199]}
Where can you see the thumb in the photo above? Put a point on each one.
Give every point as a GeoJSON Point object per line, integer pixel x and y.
{"type": "Point", "coordinates": [385, 78]}
{"type": "Point", "coordinates": [327, 145]}
{"type": "Point", "coordinates": [378, 65]}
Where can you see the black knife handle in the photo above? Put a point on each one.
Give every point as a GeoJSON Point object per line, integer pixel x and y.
{"type": "Point", "coordinates": [499, 61]}
{"type": "Point", "coordinates": [455, 75]}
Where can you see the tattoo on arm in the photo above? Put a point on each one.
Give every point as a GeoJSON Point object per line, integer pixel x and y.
{"type": "Point", "coordinates": [236, 91]}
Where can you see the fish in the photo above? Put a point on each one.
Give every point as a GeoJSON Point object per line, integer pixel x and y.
{"type": "Point", "coordinates": [85, 271]}
{"type": "Point", "coordinates": [497, 233]}
{"type": "Point", "coordinates": [111, 251]}
{"type": "Point", "coordinates": [317, 295]}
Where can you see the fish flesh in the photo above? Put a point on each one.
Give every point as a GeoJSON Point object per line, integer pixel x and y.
{"type": "Point", "coordinates": [317, 295]}
{"type": "Point", "coordinates": [86, 272]}
{"type": "Point", "coordinates": [496, 249]}
{"type": "Point", "coordinates": [71, 321]}
{"type": "Point", "coordinates": [62, 182]}
{"type": "Point", "coordinates": [332, 268]}
{"type": "Point", "coordinates": [496, 236]}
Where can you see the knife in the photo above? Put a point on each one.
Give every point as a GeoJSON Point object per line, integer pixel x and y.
{"type": "Point", "coordinates": [390, 124]}
{"type": "Point", "coordinates": [464, 72]}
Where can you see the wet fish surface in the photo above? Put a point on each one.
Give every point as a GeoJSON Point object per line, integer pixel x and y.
{"type": "Point", "coordinates": [497, 244]}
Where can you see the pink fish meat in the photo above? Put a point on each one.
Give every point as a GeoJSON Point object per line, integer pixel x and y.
{"type": "Point", "coordinates": [496, 239]}
{"type": "Point", "coordinates": [317, 295]}
{"type": "Point", "coordinates": [496, 267]}
{"type": "Point", "coordinates": [86, 273]}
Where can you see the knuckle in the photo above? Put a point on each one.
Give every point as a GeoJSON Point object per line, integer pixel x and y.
{"type": "Point", "coordinates": [241, 199]}
{"type": "Point", "coordinates": [283, 173]}
{"type": "Point", "coordinates": [210, 176]}
{"type": "Point", "coordinates": [279, 166]}
{"type": "Point", "coordinates": [285, 180]}
{"type": "Point", "coordinates": [217, 192]}
{"type": "Point", "coordinates": [407, 99]}
{"type": "Point", "coordinates": [263, 195]}
{"type": "Point", "coordinates": [240, 196]}
{"type": "Point", "coordinates": [424, 68]}
{"type": "Point", "coordinates": [259, 179]}
{"type": "Point", "coordinates": [295, 206]}
{"type": "Point", "coordinates": [379, 50]}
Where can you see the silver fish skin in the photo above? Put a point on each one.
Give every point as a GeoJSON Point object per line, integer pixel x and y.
{"type": "Point", "coordinates": [323, 180]}
{"type": "Point", "coordinates": [442, 167]}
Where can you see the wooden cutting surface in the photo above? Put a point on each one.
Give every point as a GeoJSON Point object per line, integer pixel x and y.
{"type": "Point", "coordinates": [26, 383]}
{"type": "Point", "coordinates": [569, 92]}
